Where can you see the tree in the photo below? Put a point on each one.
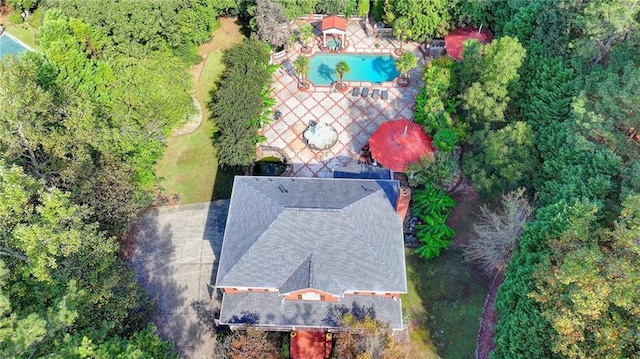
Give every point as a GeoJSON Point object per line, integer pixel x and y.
{"type": "Point", "coordinates": [401, 30]}
{"type": "Point", "coordinates": [486, 99]}
{"type": "Point", "coordinates": [426, 19]}
{"type": "Point", "coordinates": [522, 331]}
{"type": "Point", "coordinates": [136, 29]}
{"type": "Point", "coordinates": [247, 344]}
{"type": "Point", "coordinates": [269, 20]}
{"type": "Point", "coordinates": [306, 34]}
{"type": "Point", "coordinates": [237, 107]}
{"type": "Point", "coordinates": [588, 287]}
{"type": "Point", "coordinates": [64, 269]}
{"type": "Point", "coordinates": [363, 8]}
{"type": "Point", "coordinates": [301, 64]}
{"type": "Point", "coordinates": [605, 23]}
{"type": "Point", "coordinates": [341, 69]}
{"type": "Point", "coordinates": [406, 63]}
{"type": "Point", "coordinates": [368, 338]}
{"type": "Point", "coordinates": [502, 160]}
{"type": "Point", "coordinates": [567, 160]}
{"type": "Point", "coordinates": [297, 8]}
{"type": "Point", "coordinates": [496, 232]}
{"type": "Point", "coordinates": [22, 5]}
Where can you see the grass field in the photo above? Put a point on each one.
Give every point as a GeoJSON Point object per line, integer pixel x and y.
{"type": "Point", "coordinates": [444, 304]}
{"type": "Point", "coordinates": [189, 167]}
{"type": "Point", "coordinates": [24, 33]}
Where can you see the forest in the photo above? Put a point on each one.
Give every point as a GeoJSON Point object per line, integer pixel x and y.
{"type": "Point", "coordinates": [545, 116]}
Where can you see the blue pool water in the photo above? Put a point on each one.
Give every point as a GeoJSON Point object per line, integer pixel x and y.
{"type": "Point", "coordinates": [372, 68]}
{"type": "Point", "coordinates": [10, 46]}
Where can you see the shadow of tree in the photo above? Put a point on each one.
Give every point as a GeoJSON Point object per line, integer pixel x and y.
{"type": "Point", "coordinates": [337, 312]}
{"type": "Point", "coordinates": [245, 318]}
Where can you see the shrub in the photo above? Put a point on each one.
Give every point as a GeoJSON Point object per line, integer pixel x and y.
{"type": "Point", "coordinates": [35, 19]}
{"type": "Point", "coordinates": [432, 206]}
{"type": "Point", "coordinates": [445, 140]}
{"type": "Point", "coordinates": [439, 170]}
{"type": "Point", "coordinates": [16, 18]}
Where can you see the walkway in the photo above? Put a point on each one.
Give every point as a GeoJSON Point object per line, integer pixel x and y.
{"type": "Point", "coordinates": [355, 118]}
{"type": "Point", "coordinates": [310, 345]}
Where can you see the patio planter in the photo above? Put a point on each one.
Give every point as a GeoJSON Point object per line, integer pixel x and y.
{"type": "Point", "coordinates": [342, 87]}
{"type": "Point", "coordinates": [306, 50]}
{"type": "Point", "coordinates": [303, 86]}
{"type": "Point", "coordinates": [403, 81]}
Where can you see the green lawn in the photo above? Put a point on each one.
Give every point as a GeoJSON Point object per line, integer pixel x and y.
{"type": "Point", "coordinates": [444, 304]}
{"type": "Point", "coordinates": [25, 33]}
{"type": "Point", "coordinates": [189, 167]}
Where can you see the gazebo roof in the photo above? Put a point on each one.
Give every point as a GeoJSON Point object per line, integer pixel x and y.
{"type": "Point", "coordinates": [334, 24]}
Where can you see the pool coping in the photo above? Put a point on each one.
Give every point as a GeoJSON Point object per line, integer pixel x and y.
{"type": "Point", "coordinates": [328, 88]}
{"type": "Point", "coordinates": [6, 33]}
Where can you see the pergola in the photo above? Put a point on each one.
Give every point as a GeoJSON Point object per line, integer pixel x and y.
{"type": "Point", "coordinates": [333, 25]}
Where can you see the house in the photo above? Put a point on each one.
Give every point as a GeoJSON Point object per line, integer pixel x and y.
{"type": "Point", "coordinates": [299, 253]}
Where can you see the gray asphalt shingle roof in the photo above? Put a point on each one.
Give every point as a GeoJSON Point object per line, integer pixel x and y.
{"type": "Point", "coordinates": [269, 309]}
{"type": "Point", "coordinates": [331, 234]}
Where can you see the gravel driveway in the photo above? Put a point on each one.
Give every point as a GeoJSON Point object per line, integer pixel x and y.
{"type": "Point", "coordinates": [175, 260]}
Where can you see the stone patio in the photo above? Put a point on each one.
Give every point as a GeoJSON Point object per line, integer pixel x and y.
{"type": "Point", "coordinates": [355, 118]}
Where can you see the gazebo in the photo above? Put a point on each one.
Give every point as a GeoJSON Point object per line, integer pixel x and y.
{"type": "Point", "coordinates": [333, 25]}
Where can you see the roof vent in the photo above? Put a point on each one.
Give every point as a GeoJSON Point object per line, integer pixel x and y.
{"type": "Point", "coordinates": [282, 189]}
{"type": "Point", "coordinates": [366, 189]}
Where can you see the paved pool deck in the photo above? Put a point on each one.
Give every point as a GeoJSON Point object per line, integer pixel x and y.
{"type": "Point", "coordinates": [354, 118]}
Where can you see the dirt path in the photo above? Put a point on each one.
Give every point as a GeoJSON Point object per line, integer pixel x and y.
{"type": "Point", "coordinates": [489, 320]}
{"type": "Point", "coordinates": [222, 40]}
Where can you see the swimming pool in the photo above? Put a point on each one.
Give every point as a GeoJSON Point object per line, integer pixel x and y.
{"type": "Point", "coordinates": [10, 46]}
{"type": "Point", "coordinates": [372, 68]}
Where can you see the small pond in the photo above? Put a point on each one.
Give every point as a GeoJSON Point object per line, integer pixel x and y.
{"type": "Point", "coordinates": [269, 166]}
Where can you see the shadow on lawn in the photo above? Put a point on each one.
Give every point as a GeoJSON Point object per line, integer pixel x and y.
{"type": "Point", "coordinates": [452, 293]}
{"type": "Point", "coordinates": [224, 182]}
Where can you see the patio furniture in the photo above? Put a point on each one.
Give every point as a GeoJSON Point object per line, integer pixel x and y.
{"type": "Point", "coordinates": [355, 92]}
{"type": "Point", "coordinates": [365, 92]}
{"type": "Point", "coordinates": [375, 94]}
{"type": "Point", "coordinates": [385, 95]}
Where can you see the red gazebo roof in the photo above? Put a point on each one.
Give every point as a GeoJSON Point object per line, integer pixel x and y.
{"type": "Point", "coordinates": [334, 22]}
{"type": "Point", "coordinates": [397, 143]}
{"type": "Point", "coordinates": [454, 40]}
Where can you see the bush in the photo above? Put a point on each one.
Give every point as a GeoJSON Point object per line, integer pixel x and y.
{"type": "Point", "coordinates": [16, 18]}
{"type": "Point", "coordinates": [445, 140]}
{"type": "Point", "coordinates": [440, 170]}
{"type": "Point", "coordinates": [35, 19]}
{"type": "Point", "coordinates": [432, 206]}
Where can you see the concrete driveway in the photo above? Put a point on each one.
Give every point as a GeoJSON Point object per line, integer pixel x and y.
{"type": "Point", "coordinates": [176, 260]}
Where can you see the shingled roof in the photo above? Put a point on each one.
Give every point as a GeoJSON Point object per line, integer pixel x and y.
{"type": "Point", "coordinates": [332, 235]}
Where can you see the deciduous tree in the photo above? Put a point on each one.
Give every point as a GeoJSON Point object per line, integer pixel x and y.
{"type": "Point", "coordinates": [269, 20]}
{"type": "Point", "coordinates": [496, 233]}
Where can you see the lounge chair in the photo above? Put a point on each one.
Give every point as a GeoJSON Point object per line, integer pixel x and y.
{"type": "Point", "coordinates": [375, 94]}
{"type": "Point", "coordinates": [365, 92]}
{"type": "Point", "coordinates": [355, 92]}
{"type": "Point", "coordinates": [385, 95]}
